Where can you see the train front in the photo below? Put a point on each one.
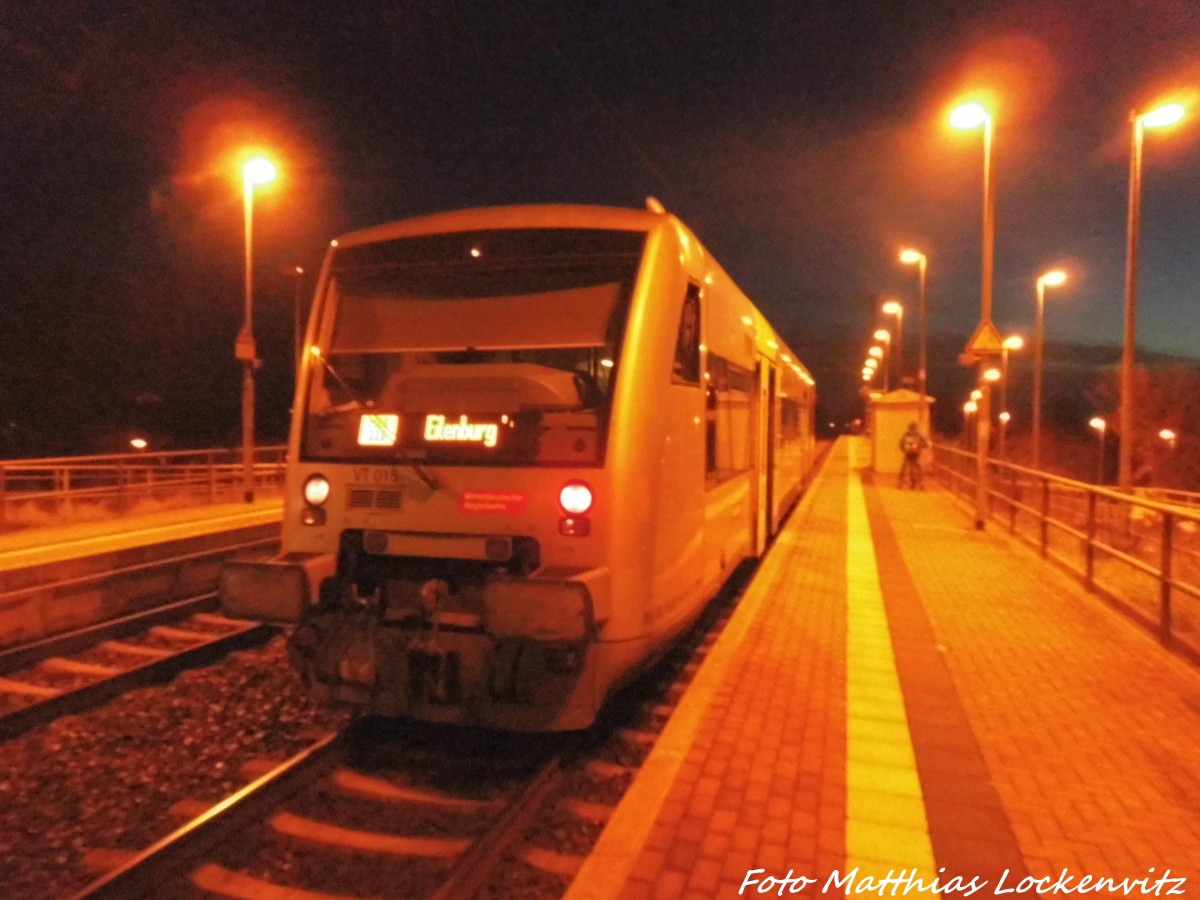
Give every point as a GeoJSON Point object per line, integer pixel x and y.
{"type": "Point", "coordinates": [449, 451]}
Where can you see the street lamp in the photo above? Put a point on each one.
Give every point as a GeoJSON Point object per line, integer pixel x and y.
{"type": "Point", "coordinates": [969, 408]}
{"type": "Point", "coordinates": [1053, 278]}
{"type": "Point", "coordinates": [1156, 118]}
{"type": "Point", "coordinates": [256, 171]}
{"type": "Point", "coordinates": [1005, 417]}
{"type": "Point", "coordinates": [1012, 342]}
{"type": "Point", "coordinates": [910, 257]}
{"type": "Point", "coordinates": [969, 116]}
{"type": "Point", "coordinates": [1169, 436]}
{"type": "Point", "coordinates": [882, 334]}
{"type": "Point", "coordinates": [1100, 425]}
{"type": "Point", "coordinates": [892, 308]}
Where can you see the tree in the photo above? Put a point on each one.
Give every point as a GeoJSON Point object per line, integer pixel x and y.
{"type": "Point", "coordinates": [1167, 397]}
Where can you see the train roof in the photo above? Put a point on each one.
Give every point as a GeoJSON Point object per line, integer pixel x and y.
{"type": "Point", "coordinates": [527, 216]}
{"type": "Point", "coordinates": [561, 216]}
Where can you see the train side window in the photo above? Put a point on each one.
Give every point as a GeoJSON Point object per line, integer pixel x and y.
{"type": "Point", "coordinates": [687, 342]}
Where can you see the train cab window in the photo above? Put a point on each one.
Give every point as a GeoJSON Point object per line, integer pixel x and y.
{"type": "Point", "coordinates": [687, 342]}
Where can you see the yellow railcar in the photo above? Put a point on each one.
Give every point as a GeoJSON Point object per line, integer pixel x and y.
{"type": "Point", "coordinates": [529, 443]}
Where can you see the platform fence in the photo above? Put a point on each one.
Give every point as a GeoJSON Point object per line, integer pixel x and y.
{"type": "Point", "coordinates": [64, 490]}
{"type": "Point", "coordinates": [1139, 551]}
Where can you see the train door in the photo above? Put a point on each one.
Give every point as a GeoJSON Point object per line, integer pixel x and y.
{"type": "Point", "coordinates": [764, 453]}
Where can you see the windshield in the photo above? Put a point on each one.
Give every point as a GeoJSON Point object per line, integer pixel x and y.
{"type": "Point", "coordinates": [496, 348]}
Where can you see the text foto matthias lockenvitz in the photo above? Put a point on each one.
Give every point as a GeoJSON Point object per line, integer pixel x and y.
{"type": "Point", "coordinates": [910, 881]}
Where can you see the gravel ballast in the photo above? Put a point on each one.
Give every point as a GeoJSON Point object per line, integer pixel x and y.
{"type": "Point", "coordinates": [107, 779]}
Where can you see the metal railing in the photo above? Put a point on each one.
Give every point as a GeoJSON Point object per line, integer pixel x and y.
{"type": "Point", "coordinates": [1141, 555]}
{"type": "Point", "coordinates": [62, 490]}
{"type": "Point", "coordinates": [1169, 496]}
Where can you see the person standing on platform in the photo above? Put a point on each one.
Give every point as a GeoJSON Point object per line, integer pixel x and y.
{"type": "Point", "coordinates": [912, 443]}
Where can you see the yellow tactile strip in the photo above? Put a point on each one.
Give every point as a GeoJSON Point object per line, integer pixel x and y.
{"type": "Point", "coordinates": [886, 829]}
{"type": "Point", "coordinates": [970, 830]}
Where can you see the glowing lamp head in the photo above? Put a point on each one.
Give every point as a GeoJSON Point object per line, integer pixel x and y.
{"type": "Point", "coordinates": [258, 171]}
{"type": "Point", "coordinates": [1098, 423]}
{"type": "Point", "coordinates": [138, 443]}
{"type": "Point", "coordinates": [991, 375]}
{"type": "Point", "coordinates": [1162, 116]}
{"type": "Point", "coordinates": [1005, 417]}
{"type": "Point", "coordinates": [1014, 342]}
{"type": "Point", "coordinates": [892, 308]}
{"type": "Point", "coordinates": [1167, 434]}
{"type": "Point", "coordinates": [969, 407]}
{"type": "Point", "coordinates": [976, 394]}
{"type": "Point", "coordinates": [969, 115]}
{"type": "Point", "coordinates": [911, 256]}
{"type": "Point", "coordinates": [882, 335]}
{"type": "Point", "coordinates": [575, 498]}
{"type": "Point", "coordinates": [1054, 278]}
{"type": "Point", "coordinates": [876, 352]}
{"type": "Point", "coordinates": [871, 363]}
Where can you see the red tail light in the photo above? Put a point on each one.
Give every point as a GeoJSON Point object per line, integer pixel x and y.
{"type": "Point", "coordinates": [575, 498]}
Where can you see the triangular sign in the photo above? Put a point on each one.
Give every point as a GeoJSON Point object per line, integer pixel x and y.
{"type": "Point", "coordinates": [986, 339]}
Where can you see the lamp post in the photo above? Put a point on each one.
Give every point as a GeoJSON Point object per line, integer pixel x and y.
{"type": "Point", "coordinates": [1156, 118]}
{"type": "Point", "coordinates": [297, 331]}
{"type": "Point", "coordinates": [892, 308]}
{"type": "Point", "coordinates": [1010, 343]}
{"type": "Point", "coordinates": [909, 257]}
{"type": "Point", "coordinates": [1101, 426]}
{"type": "Point", "coordinates": [882, 334]}
{"type": "Point", "coordinates": [1053, 279]}
{"type": "Point", "coordinates": [255, 171]}
{"type": "Point", "coordinates": [968, 116]}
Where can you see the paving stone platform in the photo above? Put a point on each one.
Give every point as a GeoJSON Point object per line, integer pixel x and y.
{"type": "Point", "coordinates": [899, 697]}
{"type": "Point", "coordinates": [24, 547]}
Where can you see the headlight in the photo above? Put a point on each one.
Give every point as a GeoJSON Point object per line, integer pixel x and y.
{"type": "Point", "coordinates": [575, 498]}
{"type": "Point", "coordinates": [316, 490]}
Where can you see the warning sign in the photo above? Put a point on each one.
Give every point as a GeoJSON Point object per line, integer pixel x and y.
{"type": "Point", "coordinates": [986, 339]}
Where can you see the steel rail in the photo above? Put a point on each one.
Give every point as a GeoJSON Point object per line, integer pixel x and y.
{"type": "Point", "coordinates": [472, 869]}
{"type": "Point", "coordinates": [151, 671]}
{"type": "Point", "coordinates": [171, 858]}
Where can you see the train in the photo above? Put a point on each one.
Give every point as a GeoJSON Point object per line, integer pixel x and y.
{"type": "Point", "coordinates": [528, 444]}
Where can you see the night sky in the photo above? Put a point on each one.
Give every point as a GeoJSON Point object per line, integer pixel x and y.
{"type": "Point", "coordinates": [803, 141]}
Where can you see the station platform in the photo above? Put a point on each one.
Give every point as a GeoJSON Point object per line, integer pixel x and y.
{"type": "Point", "coordinates": [900, 698]}
{"type": "Point", "coordinates": [22, 548]}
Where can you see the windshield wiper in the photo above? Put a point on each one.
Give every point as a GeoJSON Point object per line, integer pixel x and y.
{"type": "Point", "coordinates": [424, 474]}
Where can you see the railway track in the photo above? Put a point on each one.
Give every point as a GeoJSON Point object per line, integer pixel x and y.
{"type": "Point", "coordinates": [394, 810]}
{"type": "Point", "coordinates": [74, 670]}
{"type": "Point", "coordinates": [69, 673]}
{"type": "Point", "coordinates": [317, 804]}
{"type": "Point", "coordinates": [400, 810]}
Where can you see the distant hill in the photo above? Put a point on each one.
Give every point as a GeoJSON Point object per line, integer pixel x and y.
{"type": "Point", "coordinates": [1070, 374]}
